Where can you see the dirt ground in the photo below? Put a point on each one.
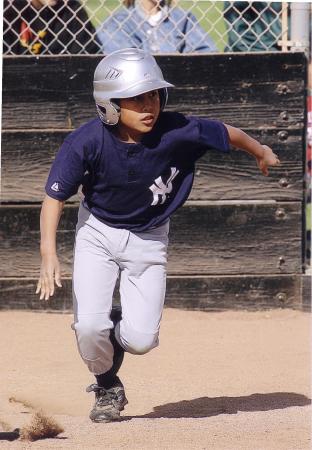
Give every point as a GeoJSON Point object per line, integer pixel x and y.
{"type": "Point", "coordinates": [218, 381]}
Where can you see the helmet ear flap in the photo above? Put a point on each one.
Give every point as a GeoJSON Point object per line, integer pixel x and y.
{"type": "Point", "coordinates": [109, 113]}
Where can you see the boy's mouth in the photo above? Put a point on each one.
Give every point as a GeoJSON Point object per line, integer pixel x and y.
{"type": "Point", "coordinates": [148, 119]}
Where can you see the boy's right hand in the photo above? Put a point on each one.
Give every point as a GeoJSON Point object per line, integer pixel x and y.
{"type": "Point", "coordinates": [269, 158]}
{"type": "Point", "coordinates": [50, 273]}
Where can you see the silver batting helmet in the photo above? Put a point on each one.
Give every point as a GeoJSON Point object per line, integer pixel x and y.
{"type": "Point", "coordinates": [122, 74]}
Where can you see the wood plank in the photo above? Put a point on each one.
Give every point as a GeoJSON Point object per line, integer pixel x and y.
{"type": "Point", "coordinates": [27, 157]}
{"type": "Point", "coordinates": [241, 104]}
{"type": "Point", "coordinates": [205, 238]}
{"type": "Point", "coordinates": [56, 92]}
{"type": "Point", "coordinates": [286, 67]}
{"type": "Point", "coordinates": [238, 238]}
{"type": "Point", "coordinates": [233, 108]}
{"type": "Point", "coordinates": [34, 92]}
{"type": "Point", "coordinates": [236, 175]}
{"type": "Point", "coordinates": [26, 160]}
{"type": "Point", "coordinates": [306, 291]}
{"type": "Point", "coordinates": [244, 292]}
{"type": "Point", "coordinates": [196, 293]}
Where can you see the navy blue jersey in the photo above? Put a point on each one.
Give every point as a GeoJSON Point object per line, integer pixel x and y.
{"type": "Point", "coordinates": [134, 186]}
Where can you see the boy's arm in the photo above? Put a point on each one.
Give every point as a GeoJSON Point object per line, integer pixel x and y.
{"type": "Point", "coordinates": [50, 268]}
{"type": "Point", "coordinates": [263, 154]}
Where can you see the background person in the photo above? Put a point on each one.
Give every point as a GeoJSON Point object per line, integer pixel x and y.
{"type": "Point", "coordinates": [253, 26]}
{"type": "Point", "coordinates": [47, 26]}
{"type": "Point", "coordinates": [155, 26]}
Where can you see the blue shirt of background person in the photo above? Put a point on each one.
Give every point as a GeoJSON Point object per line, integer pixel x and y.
{"type": "Point", "coordinates": [154, 26]}
{"type": "Point", "coordinates": [253, 26]}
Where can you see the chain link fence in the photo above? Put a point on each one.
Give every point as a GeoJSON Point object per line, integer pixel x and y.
{"type": "Point", "coordinates": [99, 26]}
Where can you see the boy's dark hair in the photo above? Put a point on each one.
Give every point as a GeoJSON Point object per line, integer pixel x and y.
{"type": "Point", "coordinates": [129, 3]}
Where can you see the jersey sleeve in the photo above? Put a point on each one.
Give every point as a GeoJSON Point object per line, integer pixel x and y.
{"type": "Point", "coordinates": [213, 134]}
{"type": "Point", "coordinates": [67, 171]}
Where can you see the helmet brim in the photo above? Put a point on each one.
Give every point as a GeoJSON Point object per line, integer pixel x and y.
{"type": "Point", "coordinates": [136, 89]}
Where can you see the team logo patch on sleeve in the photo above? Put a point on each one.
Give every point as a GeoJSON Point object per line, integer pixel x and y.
{"type": "Point", "coordinates": [55, 187]}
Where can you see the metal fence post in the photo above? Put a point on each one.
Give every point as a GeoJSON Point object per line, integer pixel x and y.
{"type": "Point", "coordinates": [299, 26]}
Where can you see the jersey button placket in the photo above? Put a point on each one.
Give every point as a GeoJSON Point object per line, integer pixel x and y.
{"type": "Point", "coordinates": [132, 161]}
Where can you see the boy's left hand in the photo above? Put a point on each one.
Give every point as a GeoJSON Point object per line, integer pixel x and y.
{"type": "Point", "coordinates": [268, 159]}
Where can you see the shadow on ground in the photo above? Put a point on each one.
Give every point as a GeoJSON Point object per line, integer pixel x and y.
{"type": "Point", "coordinates": [209, 406]}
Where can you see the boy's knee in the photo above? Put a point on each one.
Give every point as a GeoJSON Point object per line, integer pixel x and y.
{"type": "Point", "coordinates": [136, 342]}
{"type": "Point", "coordinates": [85, 330]}
{"type": "Point", "coordinates": [92, 333]}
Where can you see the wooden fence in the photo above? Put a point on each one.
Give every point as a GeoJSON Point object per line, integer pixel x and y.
{"type": "Point", "coordinates": [237, 243]}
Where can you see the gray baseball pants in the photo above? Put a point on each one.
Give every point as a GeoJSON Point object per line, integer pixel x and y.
{"type": "Point", "coordinates": [103, 253]}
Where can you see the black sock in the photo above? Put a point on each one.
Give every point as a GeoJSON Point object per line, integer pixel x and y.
{"type": "Point", "coordinates": [106, 380]}
{"type": "Point", "coordinates": [109, 378]}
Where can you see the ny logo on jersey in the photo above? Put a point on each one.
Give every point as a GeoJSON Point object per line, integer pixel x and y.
{"type": "Point", "coordinates": [160, 189]}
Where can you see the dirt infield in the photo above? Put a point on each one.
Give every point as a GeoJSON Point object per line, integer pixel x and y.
{"type": "Point", "coordinates": [218, 381]}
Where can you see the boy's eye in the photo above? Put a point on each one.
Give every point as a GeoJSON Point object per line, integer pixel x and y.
{"type": "Point", "coordinates": [140, 98]}
{"type": "Point", "coordinates": [137, 98]}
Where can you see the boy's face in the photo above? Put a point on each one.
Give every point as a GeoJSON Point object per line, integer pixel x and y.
{"type": "Point", "coordinates": [138, 115]}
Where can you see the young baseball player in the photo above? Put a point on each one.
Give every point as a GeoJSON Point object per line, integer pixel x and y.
{"type": "Point", "coordinates": [135, 163]}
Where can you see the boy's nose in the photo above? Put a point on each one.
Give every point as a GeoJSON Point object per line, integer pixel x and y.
{"type": "Point", "coordinates": [148, 105]}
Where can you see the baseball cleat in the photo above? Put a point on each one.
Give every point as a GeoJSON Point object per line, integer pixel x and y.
{"type": "Point", "coordinates": [108, 402]}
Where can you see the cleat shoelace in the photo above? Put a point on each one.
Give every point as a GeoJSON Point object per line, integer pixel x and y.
{"type": "Point", "coordinates": [103, 396]}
